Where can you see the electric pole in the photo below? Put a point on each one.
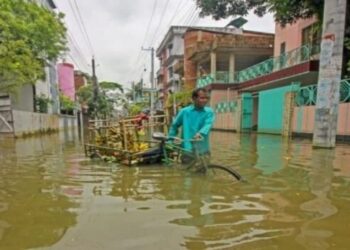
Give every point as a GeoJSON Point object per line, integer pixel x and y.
{"type": "Point", "coordinates": [152, 77]}
{"type": "Point", "coordinates": [328, 87]}
{"type": "Point", "coordinates": [152, 84]}
{"type": "Point", "coordinates": [95, 86]}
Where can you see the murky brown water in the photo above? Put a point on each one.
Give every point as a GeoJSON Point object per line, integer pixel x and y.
{"type": "Point", "coordinates": [51, 197]}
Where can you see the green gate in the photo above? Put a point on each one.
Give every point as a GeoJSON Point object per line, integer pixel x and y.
{"type": "Point", "coordinates": [247, 111]}
{"type": "Point", "coordinates": [271, 106]}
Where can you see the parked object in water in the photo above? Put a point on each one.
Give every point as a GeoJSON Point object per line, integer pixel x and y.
{"type": "Point", "coordinates": [122, 140]}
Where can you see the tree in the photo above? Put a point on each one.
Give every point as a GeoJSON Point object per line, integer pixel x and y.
{"type": "Point", "coordinates": [30, 35]}
{"type": "Point", "coordinates": [112, 86]}
{"type": "Point", "coordinates": [285, 11]}
{"type": "Point", "coordinates": [67, 105]}
{"type": "Point", "coordinates": [109, 99]}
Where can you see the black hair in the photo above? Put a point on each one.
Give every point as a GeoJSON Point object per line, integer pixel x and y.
{"type": "Point", "coordinates": [195, 93]}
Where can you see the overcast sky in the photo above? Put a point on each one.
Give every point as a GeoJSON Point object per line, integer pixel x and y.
{"type": "Point", "coordinates": [117, 29]}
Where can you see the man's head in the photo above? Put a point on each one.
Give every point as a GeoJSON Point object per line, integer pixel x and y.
{"type": "Point", "coordinates": [200, 97]}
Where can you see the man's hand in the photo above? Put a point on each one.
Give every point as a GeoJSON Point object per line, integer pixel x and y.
{"type": "Point", "coordinates": [198, 137]}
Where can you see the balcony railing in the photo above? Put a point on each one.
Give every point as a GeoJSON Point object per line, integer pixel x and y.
{"type": "Point", "coordinates": [292, 58]}
{"type": "Point", "coordinates": [306, 96]}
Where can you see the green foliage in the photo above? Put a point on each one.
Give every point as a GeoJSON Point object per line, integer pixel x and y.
{"type": "Point", "coordinates": [182, 98]}
{"type": "Point", "coordinates": [111, 86]}
{"type": "Point", "coordinates": [103, 106]}
{"type": "Point", "coordinates": [29, 35]}
{"type": "Point", "coordinates": [85, 94]}
{"type": "Point", "coordinates": [136, 108]}
{"type": "Point", "coordinates": [42, 103]}
{"type": "Point", "coordinates": [285, 11]}
{"type": "Point", "coordinates": [67, 105]}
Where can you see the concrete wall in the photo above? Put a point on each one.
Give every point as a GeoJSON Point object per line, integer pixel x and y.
{"type": "Point", "coordinates": [29, 122]}
{"type": "Point", "coordinates": [304, 119]}
{"type": "Point", "coordinates": [291, 34]}
{"type": "Point", "coordinates": [226, 120]}
{"type": "Point", "coordinates": [24, 99]}
{"type": "Point", "coordinates": [178, 45]}
{"type": "Point", "coordinates": [42, 87]}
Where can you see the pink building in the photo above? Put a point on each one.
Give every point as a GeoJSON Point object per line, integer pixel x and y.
{"type": "Point", "coordinates": [66, 79]}
{"type": "Point", "coordinates": [292, 36]}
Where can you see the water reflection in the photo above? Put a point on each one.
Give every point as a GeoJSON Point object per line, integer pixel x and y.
{"type": "Point", "coordinates": [321, 206]}
{"type": "Point", "coordinates": [33, 206]}
{"type": "Point", "coordinates": [295, 197]}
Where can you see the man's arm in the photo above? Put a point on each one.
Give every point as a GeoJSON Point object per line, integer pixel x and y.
{"type": "Point", "coordinates": [176, 124]}
{"type": "Point", "coordinates": [208, 123]}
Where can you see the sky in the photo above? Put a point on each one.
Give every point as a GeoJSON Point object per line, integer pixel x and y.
{"type": "Point", "coordinates": [114, 31]}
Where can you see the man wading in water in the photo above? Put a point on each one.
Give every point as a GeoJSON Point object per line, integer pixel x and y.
{"type": "Point", "coordinates": [196, 121]}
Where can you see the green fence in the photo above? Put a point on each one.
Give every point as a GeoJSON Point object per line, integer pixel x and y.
{"type": "Point", "coordinates": [306, 96]}
{"type": "Point", "coordinates": [291, 58]}
{"type": "Point", "coordinates": [225, 107]}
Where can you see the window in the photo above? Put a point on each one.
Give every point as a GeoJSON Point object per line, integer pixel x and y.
{"type": "Point", "coordinates": [283, 48]}
{"type": "Point", "coordinates": [170, 47]}
{"type": "Point", "coordinates": [311, 36]}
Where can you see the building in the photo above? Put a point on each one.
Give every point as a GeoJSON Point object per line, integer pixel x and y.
{"type": "Point", "coordinates": [35, 107]}
{"type": "Point", "coordinates": [66, 80]}
{"type": "Point", "coordinates": [170, 53]}
{"type": "Point", "coordinates": [276, 95]}
{"type": "Point", "coordinates": [80, 79]}
{"type": "Point", "coordinates": [215, 57]}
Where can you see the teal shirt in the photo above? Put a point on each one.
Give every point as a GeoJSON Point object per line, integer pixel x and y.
{"type": "Point", "coordinates": [193, 121]}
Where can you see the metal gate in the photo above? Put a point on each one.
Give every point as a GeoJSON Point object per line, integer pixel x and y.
{"type": "Point", "coordinates": [271, 107]}
{"type": "Point", "coordinates": [6, 119]}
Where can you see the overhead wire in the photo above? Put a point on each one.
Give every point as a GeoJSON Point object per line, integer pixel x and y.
{"type": "Point", "coordinates": [159, 23]}
{"type": "Point", "coordinates": [146, 33]}
{"type": "Point", "coordinates": [166, 28]}
{"type": "Point", "coordinates": [84, 28]}
{"type": "Point", "coordinates": [74, 45]}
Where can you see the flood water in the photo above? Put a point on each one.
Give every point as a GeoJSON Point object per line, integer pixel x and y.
{"type": "Point", "coordinates": [52, 197]}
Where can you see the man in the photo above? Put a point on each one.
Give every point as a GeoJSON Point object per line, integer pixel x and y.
{"type": "Point", "coordinates": [142, 116]}
{"type": "Point", "coordinates": [196, 121]}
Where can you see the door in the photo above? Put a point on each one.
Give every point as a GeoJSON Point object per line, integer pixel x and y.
{"type": "Point", "coordinates": [247, 111]}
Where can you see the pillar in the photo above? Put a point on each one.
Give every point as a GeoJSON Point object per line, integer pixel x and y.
{"type": "Point", "coordinates": [213, 64]}
{"type": "Point", "coordinates": [331, 58]}
{"type": "Point", "coordinates": [232, 66]}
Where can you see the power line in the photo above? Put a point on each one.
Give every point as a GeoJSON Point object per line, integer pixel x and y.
{"type": "Point", "coordinates": [189, 16]}
{"type": "Point", "coordinates": [194, 17]}
{"type": "Point", "coordinates": [82, 22]}
{"type": "Point", "coordinates": [149, 23]}
{"type": "Point", "coordinates": [74, 61]}
{"type": "Point", "coordinates": [172, 18]}
{"type": "Point", "coordinates": [160, 22]}
{"type": "Point", "coordinates": [80, 26]}
{"type": "Point", "coordinates": [147, 30]}
{"type": "Point", "coordinates": [75, 45]}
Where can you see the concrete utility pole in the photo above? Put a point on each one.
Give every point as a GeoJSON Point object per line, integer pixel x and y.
{"type": "Point", "coordinates": [331, 58]}
{"type": "Point", "coordinates": [152, 78]}
{"type": "Point", "coordinates": [95, 86]}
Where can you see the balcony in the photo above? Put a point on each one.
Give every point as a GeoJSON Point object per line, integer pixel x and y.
{"type": "Point", "coordinates": [295, 57]}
